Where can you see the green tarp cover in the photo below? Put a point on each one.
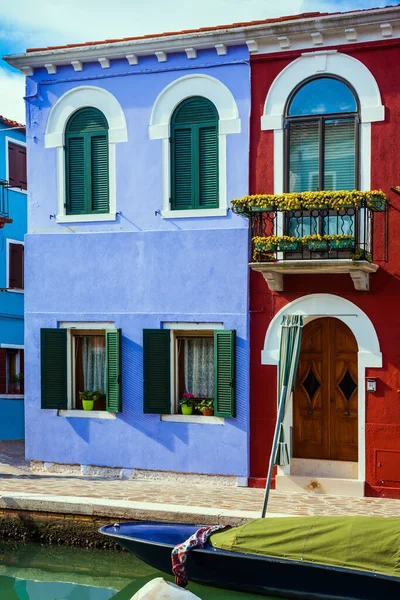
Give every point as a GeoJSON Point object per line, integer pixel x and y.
{"type": "Point", "coordinates": [362, 543]}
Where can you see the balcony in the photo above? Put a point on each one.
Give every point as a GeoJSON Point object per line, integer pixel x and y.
{"type": "Point", "coordinates": [316, 233]}
{"type": "Point", "coordinates": [4, 213]}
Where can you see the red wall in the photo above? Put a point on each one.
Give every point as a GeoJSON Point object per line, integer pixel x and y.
{"type": "Point", "coordinates": [381, 303]}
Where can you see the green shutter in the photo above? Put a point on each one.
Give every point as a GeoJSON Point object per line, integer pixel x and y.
{"type": "Point", "coordinates": [100, 192]}
{"type": "Point", "coordinates": [156, 371]}
{"type": "Point", "coordinates": [182, 174]}
{"type": "Point", "coordinates": [194, 155]}
{"type": "Point", "coordinates": [113, 370]}
{"type": "Point", "coordinates": [75, 175]}
{"type": "Point", "coordinates": [224, 373]}
{"type": "Point", "coordinates": [87, 165]}
{"type": "Point", "coordinates": [208, 167]}
{"type": "Point", "coordinates": [53, 365]}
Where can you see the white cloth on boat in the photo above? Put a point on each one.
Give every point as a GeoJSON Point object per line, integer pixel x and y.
{"type": "Point", "coordinates": [163, 590]}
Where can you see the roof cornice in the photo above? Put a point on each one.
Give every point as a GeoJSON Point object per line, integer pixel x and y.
{"type": "Point", "coordinates": [265, 38]}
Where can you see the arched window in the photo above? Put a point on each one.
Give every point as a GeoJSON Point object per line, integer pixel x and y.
{"type": "Point", "coordinates": [322, 137]}
{"type": "Point", "coordinates": [86, 163]}
{"type": "Point", "coordinates": [194, 155]}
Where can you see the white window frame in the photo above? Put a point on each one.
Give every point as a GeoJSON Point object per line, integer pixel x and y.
{"type": "Point", "coordinates": [9, 139]}
{"type": "Point", "coordinates": [71, 411]}
{"type": "Point", "coordinates": [13, 290]}
{"type": "Point", "coordinates": [159, 129]}
{"type": "Point", "coordinates": [63, 109]}
{"type": "Point", "coordinates": [175, 417]}
{"type": "Point", "coordinates": [17, 347]}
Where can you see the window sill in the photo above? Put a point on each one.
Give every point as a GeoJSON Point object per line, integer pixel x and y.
{"type": "Point", "coordinates": [14, 290]}
{"type": "Point", "coordinates": [87, 414]}
{"type": "Point", "coordinates": [86, 218]}
{"type": "Point", "coordinates": [17, 189]}
{"type": "Point", "coordinates": [195, 213]}
{"type": "Point", "coordinates": [11, 396]}
{"type": "Point", "coordinates": [193, 419]}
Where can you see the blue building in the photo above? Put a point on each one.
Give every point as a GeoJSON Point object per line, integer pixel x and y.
{"type": "Point", "coordinates": [13, 226]}
{"type": "Point", "coordinates": [135, 151]}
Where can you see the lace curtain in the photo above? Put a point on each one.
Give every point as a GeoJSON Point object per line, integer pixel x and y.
{"type": "Point", "coordinates": [199, 366]}
{"type": "Point", "coordinates": [94, 362]}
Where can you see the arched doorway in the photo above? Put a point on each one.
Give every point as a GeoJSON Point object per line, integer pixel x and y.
{"type": "Point", "coordinates": [325, 397]}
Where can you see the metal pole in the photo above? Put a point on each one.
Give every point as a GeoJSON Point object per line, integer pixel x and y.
{"type": "Point", "coordinates": [279, 418]}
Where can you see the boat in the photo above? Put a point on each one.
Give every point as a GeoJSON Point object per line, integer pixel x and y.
{"type": "Point", "coordinates": [304, 558]}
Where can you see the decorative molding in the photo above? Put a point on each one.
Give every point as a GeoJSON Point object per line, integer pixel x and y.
{"type": "Point", "coordinates": [51, 68]}
{"type": "Point", "coordinates": [132, 59]}
{"type": "Point", "coordinates": [284, 42]}
{"type": "Point", "coordinates": [221, 49]}
{"type": "Point", "coordinates": [104, 62]}
{"type": "Point", "coordinates": [191, 52]}
{"type": "Point", "coordinates": [77, 64]}
{"type": "Point", "coordinates": [386, 30]}
{"type": "Point", "coordinates": [252, 46]}
{"type": "Point", "coordinates": [309, 65]}
{"type": "Point", "coordinates": [313, 306]}
{"type": "Point", "coordinates": [27, 71]}
{"type": "Point", "coordinates": [159, 129]}
{"type": "Point", "coordinates": [65, 106]}
{"type": "Point", "coordinates": [351, 34]}
{"type": "Point", "coordinates": [273, 271]}
{"type": "Point", "coordinates": [317, 38]}
{"type": "Point", "coordinates": [265, 35]}
{"type": "Point", "coordinates": [161, 56]}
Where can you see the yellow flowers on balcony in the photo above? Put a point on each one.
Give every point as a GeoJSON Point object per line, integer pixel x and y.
{"type": "Point", "coordinates": [263, 246]}
{"type": "Point", "coordinates": [374, 200]}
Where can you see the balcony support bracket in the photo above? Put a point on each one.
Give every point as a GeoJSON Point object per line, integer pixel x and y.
{"type": "Point", "coordinates": [273, 272]}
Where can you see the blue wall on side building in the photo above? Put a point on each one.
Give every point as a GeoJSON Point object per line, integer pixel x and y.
{"type": "Point", "coordinates": [11, 303]}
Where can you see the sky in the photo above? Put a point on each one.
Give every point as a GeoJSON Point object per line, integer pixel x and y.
{"type": "Point", "coordinates": [26, 24]}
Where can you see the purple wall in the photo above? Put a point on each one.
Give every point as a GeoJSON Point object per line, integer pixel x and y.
{"type": "Point", "coordinates": [139, 272]}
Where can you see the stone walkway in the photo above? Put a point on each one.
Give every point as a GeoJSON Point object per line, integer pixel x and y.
{"type": "Point", "coordinates": [74, 494]}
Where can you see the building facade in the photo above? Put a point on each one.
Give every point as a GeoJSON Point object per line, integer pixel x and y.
{"type": "Point", "coordinates": [13, 219]}
{"type": "Point", "coordinates": [325, 106]}
{"type": "Point", "coordinates": [134, 155]}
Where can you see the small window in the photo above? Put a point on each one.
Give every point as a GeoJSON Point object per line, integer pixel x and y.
{"type": "Point", "coordinates": [86, 161]}
{"type": "Point", "coordinates": [76, 360]}
{"type": "Point", "coordinates": [194, 366]}
{"type": "Point", "coordinates": [14, 371]}
{"type": "Point", "coordinates": [194, 155]}
{"type": "Point", "coordinates": [15, 265]}
{"type": "Point", "coordinates": [17, 177]}
{"type": "Point", "coordinates": [199, 362]}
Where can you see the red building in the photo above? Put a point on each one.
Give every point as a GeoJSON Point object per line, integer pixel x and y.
{"type": "Point", "coordinates": [326, 116]}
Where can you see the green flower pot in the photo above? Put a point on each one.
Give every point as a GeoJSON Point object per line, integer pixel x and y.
{"type": "Point", "coordinates": [286, 246]}
{"type": "Point", "coordinates": [342, 243]}
{"type": "Point", "coordinates": [262, 208]}
{"type": "Point", "coordinates": [87, 404]}
{"type": "Point", "coordinates": [266, 247]}
{"type": "Point", "coordinates": [376, 204]}
{"type": "Point", "coordinates": [186, 410]}
{"type": "Point", "coordinates": [317, 244]}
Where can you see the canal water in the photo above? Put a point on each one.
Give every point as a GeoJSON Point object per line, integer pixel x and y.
{"type": "Point", "coordinates": [35, 572]}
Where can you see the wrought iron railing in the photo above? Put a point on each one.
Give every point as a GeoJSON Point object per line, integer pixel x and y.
{"type": "Point", "coordinates": [357, 233]}
{"type": "Point", "coordinates": [4, 187]}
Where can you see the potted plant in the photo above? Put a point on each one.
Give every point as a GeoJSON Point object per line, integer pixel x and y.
{"type": "Point", "coordinates": [186, 403]}
{"type": "Point", "coordinates": [206, 406]}
{"type": "Point", "coordinates": [89, 398]}
{"type": "Point", "coordinates": [14, 384]}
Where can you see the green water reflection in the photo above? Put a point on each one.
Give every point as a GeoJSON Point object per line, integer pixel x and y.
{"type": "Point", "coordinates": [34, 572]}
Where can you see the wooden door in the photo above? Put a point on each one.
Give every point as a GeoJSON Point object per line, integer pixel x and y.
{"type": "Point", "coordinates": [325, 398]}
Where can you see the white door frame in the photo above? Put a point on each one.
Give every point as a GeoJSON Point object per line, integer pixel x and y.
{"type": "Point", "coordinates": [314, 306]}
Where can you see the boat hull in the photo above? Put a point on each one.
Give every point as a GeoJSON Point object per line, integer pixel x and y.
{"type": "Point", "coordinates": [153, 543]}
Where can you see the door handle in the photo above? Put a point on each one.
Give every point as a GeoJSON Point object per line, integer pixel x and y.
{"type": "Point", "coordinates": [346, 413]}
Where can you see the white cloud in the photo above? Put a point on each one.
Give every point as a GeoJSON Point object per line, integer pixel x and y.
{"type": "Point", "coordinates": [57, 21]}
{"type": "Point", "coordinates": [12, 91]}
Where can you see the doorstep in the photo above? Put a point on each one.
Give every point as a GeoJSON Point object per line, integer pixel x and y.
{"type": "Point", "coordinates": [333, 486]}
